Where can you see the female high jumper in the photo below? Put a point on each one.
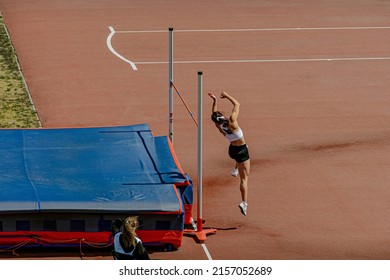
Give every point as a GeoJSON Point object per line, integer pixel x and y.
{"type": "Point", "coordinates": [238, 149]}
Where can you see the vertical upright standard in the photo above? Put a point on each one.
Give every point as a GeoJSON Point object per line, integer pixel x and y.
{"type": "Point", "coordinates": [198, 231]}
{"type": "Point", "coordinates": [170, 98]}
{"type": "Point", "coordinates": [200, 150]}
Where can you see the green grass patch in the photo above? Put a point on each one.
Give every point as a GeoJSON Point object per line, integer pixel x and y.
{"type": "Point", "coordinates": [16, 109]}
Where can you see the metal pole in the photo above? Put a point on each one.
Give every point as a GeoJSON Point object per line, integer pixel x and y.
{"type": "Point", "coordinates": [200, 123]}
{"type": "Point", "coordinates": [198, 230]}
{"type": "Point", "coordinates": [170, 105]}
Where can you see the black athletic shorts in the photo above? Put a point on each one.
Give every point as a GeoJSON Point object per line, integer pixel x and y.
{"type": "Point", "coordinates": [239, 153]}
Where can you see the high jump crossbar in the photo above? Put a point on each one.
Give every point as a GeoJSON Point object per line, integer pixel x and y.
{"type": "Point", "coordinates": [184, 102]}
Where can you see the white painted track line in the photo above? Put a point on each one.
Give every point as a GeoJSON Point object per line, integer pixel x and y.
{"type": "Point", "coordinates": [109, 45]}
{"type": "Point", "coordinates": [266, 60]}
{"type": "Point", "coordinates": [261, 29]}
{"type": "Point", "coordinates": [134, 67]}
{"type": "Point", "coordinates": [204, 247]}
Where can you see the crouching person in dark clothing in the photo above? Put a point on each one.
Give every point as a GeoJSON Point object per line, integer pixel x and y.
{"type": "Point", "coordinates": [127, 246]}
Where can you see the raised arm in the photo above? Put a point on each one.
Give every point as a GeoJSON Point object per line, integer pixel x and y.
{"type": "Point", "coordinates": [236, 105]}
{"type": "Point", "coordinates": [214, 109]}
{"type": "Point", "coordinates": [214, 106]}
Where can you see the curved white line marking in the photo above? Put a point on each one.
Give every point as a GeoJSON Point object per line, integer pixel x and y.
{"type": "Point", "coordinates": [132, 64]}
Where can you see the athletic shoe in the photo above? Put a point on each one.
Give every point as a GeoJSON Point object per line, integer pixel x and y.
{"type": "Point", "coordinates": [243, 207]}
{"type": "Point", "coordinates": [234, 172]}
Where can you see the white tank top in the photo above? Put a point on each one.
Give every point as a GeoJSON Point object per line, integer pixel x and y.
{"type": "Point", "coordinates": [231, 137]}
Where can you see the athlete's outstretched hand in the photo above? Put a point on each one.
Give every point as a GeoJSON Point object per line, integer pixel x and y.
{"type": "Point", "coordinates": [224, 94]}
{"type": "Point", "coordinates": [212, 95]}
